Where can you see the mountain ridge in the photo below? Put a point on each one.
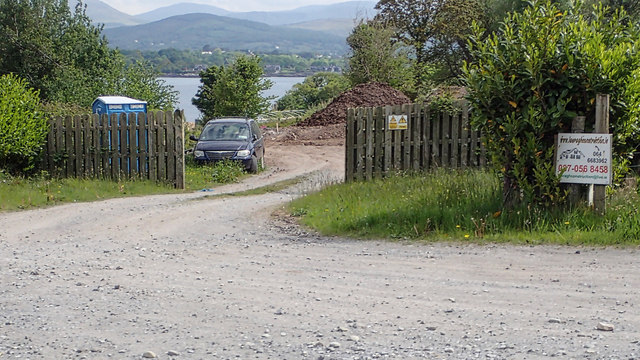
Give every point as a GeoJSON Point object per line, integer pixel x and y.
{"type": "Point", "coordinates": [342, 10]}
{"type": "Point", "coordinates": [195, 31]}
{"type": "Point", "coordinates": [313, 28]}
{"type": "Point", "coordinates": [103, 14]}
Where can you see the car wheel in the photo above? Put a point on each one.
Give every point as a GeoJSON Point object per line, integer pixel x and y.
{"type": "Point", "coordinates": [253, 168]}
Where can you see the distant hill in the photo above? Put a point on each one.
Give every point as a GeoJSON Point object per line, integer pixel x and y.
{"type": "Point", "coordinates": [194, 31]}
{"type": "Point", "coordinates": [181, 9]}
{"type": "Point", "coordinates": [101, 13]}
{"type": "Point", "coordinates": [338, 27]}
{"type": "Point", "coordinates": [345, 10]}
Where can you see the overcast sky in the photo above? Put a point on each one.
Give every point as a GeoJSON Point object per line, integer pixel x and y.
{"type": "Point", "coordinates": [133, 7]}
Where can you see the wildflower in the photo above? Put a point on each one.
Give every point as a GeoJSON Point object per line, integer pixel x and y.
{"type": "Point", "coordinates": [458, 226]}
{"type": "Point", "coordinates": [566, 223]}
{"type": "Point", "coordinates": [466, 236]}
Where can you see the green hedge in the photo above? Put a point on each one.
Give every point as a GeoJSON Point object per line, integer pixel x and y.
{"type": "Point", "coordinates": [23, 126]}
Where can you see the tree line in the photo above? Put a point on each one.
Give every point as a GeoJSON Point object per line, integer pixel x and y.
{"type": "Point", "coordinates": [191, 62]}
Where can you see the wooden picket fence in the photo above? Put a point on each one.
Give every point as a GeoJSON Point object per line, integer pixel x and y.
{"type": "Point", "coordinates": [147, 146]}
{"type": "Point", "coordinates": [432, 139]}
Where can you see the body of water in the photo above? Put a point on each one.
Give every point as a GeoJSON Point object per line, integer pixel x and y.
{"type": "Point", "coordinates": [187, 88]}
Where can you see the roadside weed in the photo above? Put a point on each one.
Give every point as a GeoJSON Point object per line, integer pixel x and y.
{"type": "Point", "coordinates": [461, 206]}
{"type": "Point", "coordinates": [18, 193]}
{"type": "Point", "coordinates": [203, 176]}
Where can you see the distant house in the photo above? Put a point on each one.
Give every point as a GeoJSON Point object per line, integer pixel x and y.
{"type": "Point", "coordinates": [272, 69]}
{"type": "Point", "coordinates": [332, 68]}
{"type": "Point", "coordinates": [200, 67]}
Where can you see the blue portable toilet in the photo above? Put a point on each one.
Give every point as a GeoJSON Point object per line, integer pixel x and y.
{"type": "Point", "coordinates": [121, 105]}
{"type": "Point", "coordinates": [118, 104]}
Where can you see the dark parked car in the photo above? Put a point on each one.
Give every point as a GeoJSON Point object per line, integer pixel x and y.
{"type": "Point", "coordinates": [237, 139]}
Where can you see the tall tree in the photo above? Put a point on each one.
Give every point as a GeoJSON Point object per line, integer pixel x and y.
{"type": "Point", "coordinates": [63, 55]}
{"type": "Point", "coordinates": [233, 90]}
{"type": "Point", "coordinates": [375, 56]}
{"type": "Point", "coordinates": [141, 81]}
{"type": "Point", "coordinates": [436, 29]}
{"type": "Point", "coordinates": [314, 90]}
{"type": "Point", "coordinates": [58, 51]}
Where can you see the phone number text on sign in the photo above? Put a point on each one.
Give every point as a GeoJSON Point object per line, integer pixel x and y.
{"type": "Point", "coordinates": [584, 158]}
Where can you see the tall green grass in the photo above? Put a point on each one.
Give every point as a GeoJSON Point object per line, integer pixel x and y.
{"type": "Point", "coordinates": [464, 206]}
{"type": "Point", "coordinates": [18, 193]}
{"type": "Point", "coordinates": [205, 176]}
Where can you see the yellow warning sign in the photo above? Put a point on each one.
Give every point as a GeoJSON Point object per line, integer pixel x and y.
{"type": "Point", "coordinates": [397, 122]}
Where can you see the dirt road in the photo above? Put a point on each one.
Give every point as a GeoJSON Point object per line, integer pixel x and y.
{"type": "Point", "coordinates": [190, 277]}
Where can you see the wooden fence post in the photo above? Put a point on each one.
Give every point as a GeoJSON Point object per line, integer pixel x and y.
{"type": "Point", "coordinates": [378, 115]}
{"type": "Point", "coordinates": [406, 137]}
{"type": "Point", "coordinates": [369, 151]}
{"type": "Point", "coordinates": [388, 159]}
{"type": "Point", "coordinates": [415, 127]}
{"type": "Point", "coordinates": [464, 130]}
{"type": "Point", "coordinates": [360, 145]}
{"type": "Point", "coordinates": [179, 135]}
{"type": "Point", "coordinates": [349, 145]}
{"type": "Point", "coordinates": [601, 127]}
{"type": "Point", "coordinates": [152, 149]}
{"type": "Point", "coordinates": [455, 141]}
{"type": "Point", "coordinates": [575, 196]}
{"type": "Point", "coordinates": [171, 147]}
{"type": "Point", "coordinates": [426, 137]}
{"type": "Point", "coordinates": [133, 154]}
{"type": "Point", "coordinates": [161, 145]}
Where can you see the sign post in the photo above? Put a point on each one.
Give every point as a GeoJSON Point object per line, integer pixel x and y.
{"type": "Point", "coordinates": [601, 127]}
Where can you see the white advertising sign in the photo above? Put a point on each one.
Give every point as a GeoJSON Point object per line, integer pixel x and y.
{"type": "Point", "coordinates": [584, 158]}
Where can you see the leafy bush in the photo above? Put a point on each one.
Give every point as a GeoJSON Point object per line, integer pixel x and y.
{"type": "Point", "coordinates": [316, 89]}
{"type": "Point", "coordinates": [140, 81]}
{"type": "Point", "coordinates": [377, 56]}
{"type": "Point", "coordinates": [23, 127]}
{"type": "Point", "coordinates": [462, 205]}
{"type": "Point", "coordinates": [541, 69]}
{"type": "Point", "coordinates": [203, 176]}
{"type": "Point", "coordinates": [233, 90]}
{"type": "Point", "coordinates": [54, 109]}
{"type": "Point", "coordinates": [227, 171]}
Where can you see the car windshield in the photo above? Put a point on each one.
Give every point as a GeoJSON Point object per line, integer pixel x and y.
{"type": "Point", "coordinates": [225, 131]}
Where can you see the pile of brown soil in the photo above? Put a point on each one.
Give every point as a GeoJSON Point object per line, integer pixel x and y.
{"type": "Point", "coordinates": [364, 95]}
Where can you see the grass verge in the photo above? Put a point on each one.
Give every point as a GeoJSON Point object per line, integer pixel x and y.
{"type": "Point", "coordinates": [18, 193]}
{"type": "Point", "coordinates": [271, 188]}
{"type": "Point", "coordinates": [206, 176]}
{"type": "Point", "coordinates": [461, 206]}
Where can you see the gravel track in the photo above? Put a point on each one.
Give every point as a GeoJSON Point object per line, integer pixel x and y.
{"type": "Point", "coordinates": [194, 277]}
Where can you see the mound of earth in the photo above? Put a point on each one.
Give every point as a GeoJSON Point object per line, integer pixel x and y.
{"type": "Point", "coordinates": [364, 95]}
